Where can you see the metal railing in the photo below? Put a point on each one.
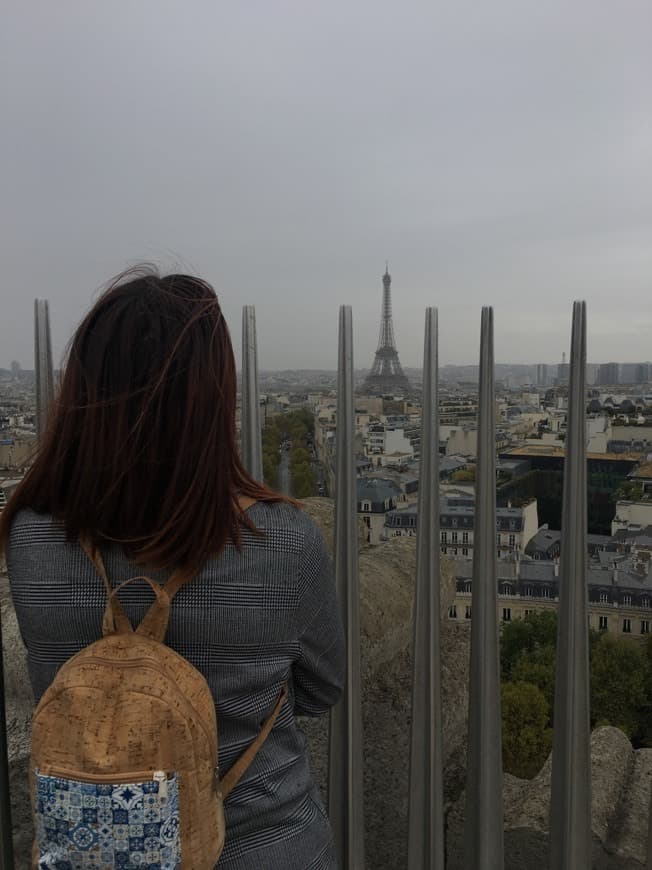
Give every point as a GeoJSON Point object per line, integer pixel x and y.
{"type": "Point", "coordinates": [570, 814]}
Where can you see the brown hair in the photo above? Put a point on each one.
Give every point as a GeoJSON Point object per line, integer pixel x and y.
{"type": "Point", "coordinates": [140, 446]}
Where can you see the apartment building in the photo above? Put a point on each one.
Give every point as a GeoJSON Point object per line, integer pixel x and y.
{"type": "Point", "coordinates": [620, 593]}
{"type": "Point", "coordinates": [515, 526]}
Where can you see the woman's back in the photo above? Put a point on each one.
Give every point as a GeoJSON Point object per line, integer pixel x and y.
{"type": "Point", "coordinates": [253, 618]}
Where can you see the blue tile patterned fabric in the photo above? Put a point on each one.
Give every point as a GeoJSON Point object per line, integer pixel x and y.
{"type": "Point", "coordinates": [81, 825]}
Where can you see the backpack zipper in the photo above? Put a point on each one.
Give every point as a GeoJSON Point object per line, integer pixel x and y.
{"type": "Point", "coordinates": [135, 777]}
{"type": "Point", "coordinates": [147, 663]}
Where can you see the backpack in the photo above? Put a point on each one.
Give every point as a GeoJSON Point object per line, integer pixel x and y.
{"type": "Point", "coordinates": [124, 768]}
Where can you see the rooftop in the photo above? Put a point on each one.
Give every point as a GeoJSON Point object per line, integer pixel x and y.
{"type": "Point", "coordinates": [553, 450]}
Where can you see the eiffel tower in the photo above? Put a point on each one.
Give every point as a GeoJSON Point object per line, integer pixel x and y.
{"type": "Point", "coordinates": [386, 375]}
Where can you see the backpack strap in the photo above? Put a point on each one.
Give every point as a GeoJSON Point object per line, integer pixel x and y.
{"type": "Point", "coordinates": [231, 779]}
{"type": "Point", "coordinates": [155, 622]}
{"type": "Point", "coordinates": [115, 619]}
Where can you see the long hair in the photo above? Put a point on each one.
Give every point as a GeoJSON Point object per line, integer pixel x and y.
{"type": "Point", "coordinates": [140, 446]}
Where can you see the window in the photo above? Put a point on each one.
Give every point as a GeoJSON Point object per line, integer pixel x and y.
{"type": "Point", "coordinates": [366, 506]}
{"type": "Point", "coordinates": [465, 537]}
{"type": "Point", "coordinates": [467, 587]}
{"type": "Point", "coordinates": [507, 614]}
{"type": "Point", "coordinates": [604, 598]}
{"type": "Point", "coordinates": [603, 624]}
{"type": "Point", "coordinates": [645, 626]}
{"type": "Point", "coordinates": [512, 524]}
{"type": "Point", "coordinates": [627, 600]}
{"type": "Point", "coordinates": [527, 612]}
{"type": "Point", "coordinates": [454, 522]}
{"type": "Point", "coordinates": [443, 549]}
{"type": "Point", "coordinates": [444, 537]}
{"type": "Point", "coordinates": [467, 612]}
{"type": "Point", "coordinates": [507, 588]}
{"type": "Point", "coordinates": [452, 612]}
{"type": "Point", "coordinates": [512, 540]}
{"type": "Point", "coordinates": [545, 592]}
{"type": "Point", "coordinates": [498, 539]}
{"type": "Point", "coordinates": [527, 592]}
{"type": "Point", "coordinates": [454, 537]}
{"type": "Point", "coordinates": [465, 551]}
{"type": "Point", "coordinates": [627, 626]}
{"type": "Point", "coordinates": [645, 601]}
{"type": "Point", "coordinates": [455, 551]}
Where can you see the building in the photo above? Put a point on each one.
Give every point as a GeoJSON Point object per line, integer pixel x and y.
{"type": "Point", "coordinates": [632, 515]}
{"type": "Point", "coordinates": [542, 375]}
{"type": "Point", "coordinates": [375, 497]}
{"type": "Point", "coordinates": [608, 373]}
{"type": "Point", "coordinates": [544, 546]}
{"type": "Point", "coordinates": [620, 593]}
{"type": "Point", "coordinates": [563, 371]}
{"type": "Point", "coordinates": [514, 526]}
{"type": "Point", "coordinates": [634, 373]}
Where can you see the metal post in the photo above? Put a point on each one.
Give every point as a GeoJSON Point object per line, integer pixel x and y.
{"type": "Point", "coordinates": [42, 364]}
{"type": "Point", "coordinates": [484, 849]}
{"type": "Point", "coordinates": [570, 804]}
{"type": "Point", "coordinates": [251, 438]}
{"type": "Point", "coordinates": [649, 838]}
{"type": "Point", "coordinates": [426, 789]}
{"type": "Point", "coordinates": [6, 844]}
{"type": "Point", "coordinates": [345, 782]}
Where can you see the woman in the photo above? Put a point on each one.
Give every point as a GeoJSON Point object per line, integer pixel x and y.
{"type": "Point", "coordinates": [140, 456]}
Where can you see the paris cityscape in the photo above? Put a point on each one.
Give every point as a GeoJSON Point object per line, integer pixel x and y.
{"type": "Point", "coordinates": [497, 704]}
{"type": "Point", "coordinates": [299, 423]}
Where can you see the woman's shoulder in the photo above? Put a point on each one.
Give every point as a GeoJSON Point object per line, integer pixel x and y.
{"type": "Point", "coordinates": [283, 521]}
{"type": "Point", "coordinates": [29, 527]}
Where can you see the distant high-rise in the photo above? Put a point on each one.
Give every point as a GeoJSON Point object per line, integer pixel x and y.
{"type": "Point", "coordinates": [386, 375]}
{"type": "Point", "coordinates": [634, 373]}
{"type": "Point", "coordinates": [542, 375]}
{"type": "Point", "coordinates": [608, 374]}
{"type": "Point", "coordinates": [563, 371]}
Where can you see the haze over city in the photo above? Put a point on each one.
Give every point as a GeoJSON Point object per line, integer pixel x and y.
{"type": "Point", "coordinates": [494, 154]}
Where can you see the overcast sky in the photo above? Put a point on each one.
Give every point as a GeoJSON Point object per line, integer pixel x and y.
{"type": "Point", "coordinates": [494, 152]}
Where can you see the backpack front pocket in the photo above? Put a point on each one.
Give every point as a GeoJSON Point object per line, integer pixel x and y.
{"type": "Point", "coordinates": [103, 821]}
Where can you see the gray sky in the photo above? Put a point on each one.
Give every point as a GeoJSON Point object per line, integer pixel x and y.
{"type": "Point", "coordinates": [495, 152]}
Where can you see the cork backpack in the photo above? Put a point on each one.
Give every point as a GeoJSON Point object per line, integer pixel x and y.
{"type": "Point", "coordinates": [124, 760]}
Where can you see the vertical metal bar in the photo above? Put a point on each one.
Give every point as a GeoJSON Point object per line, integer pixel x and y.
{"type": "Point", "coordinates": [484, 849]}
{"type": "Point", "coordinates": [426, 790]}
{"type": "Point", "coordinates": [251, 438]}
{"type": "Point", "coordinates": [345, 781]}
{"type": "Point", "coordinates": [649, 838]}
{"type": "Point", "coordinates": [570, 804]}
{"type": "Point", "coordinates": [6, 844]}
{"type": "Point", "coordinates": [42, 364]}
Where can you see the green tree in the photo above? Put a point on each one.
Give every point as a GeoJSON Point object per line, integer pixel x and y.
{"type": "Point", "coordinates": [527, 739]}
{"type": "Point", "coordinates": [537, 666]}
{"type": "Point", "coordinates": [524, 635]}
{"type": "Point", "coordinates": [620, 685]}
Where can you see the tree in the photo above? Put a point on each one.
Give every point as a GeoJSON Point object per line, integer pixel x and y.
{"type": "Point", "coordinates": [537, 666]}
{"type": "Point", "coordinates": [527, 739]}
{"type": "Point", "coordinates": [524, 635]}
{"type": "Point", "coordinates": [620, 685]}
